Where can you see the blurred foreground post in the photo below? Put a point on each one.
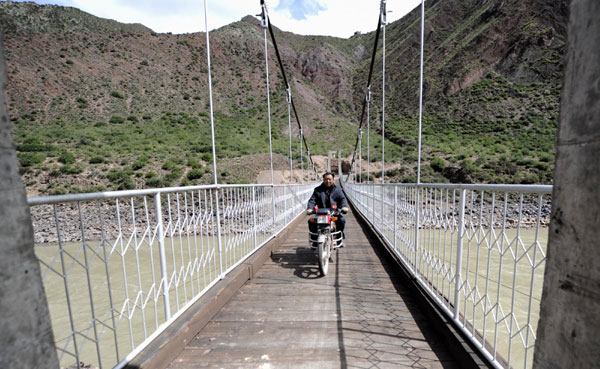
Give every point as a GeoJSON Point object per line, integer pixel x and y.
{"type": "Point", "coordinates": [569, 326]}
{"type": "Point", "coordinates": [26, 339]}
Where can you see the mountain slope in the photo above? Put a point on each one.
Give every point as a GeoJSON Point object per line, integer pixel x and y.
{"type": "Point", "coordinates": [492, 78]}
{"type": "Point", "coordinates": [97, 104]}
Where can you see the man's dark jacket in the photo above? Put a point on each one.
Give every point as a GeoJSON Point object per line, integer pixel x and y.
{"type": "Point", "coordinates": [321, 194]}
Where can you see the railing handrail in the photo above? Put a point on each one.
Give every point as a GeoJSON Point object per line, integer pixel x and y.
{"type": "Point", "coordinates": [496, 187]}
{"type": "Point", "coordinates": [56, 199]}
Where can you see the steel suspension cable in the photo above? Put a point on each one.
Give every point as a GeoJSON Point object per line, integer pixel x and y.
{"type": "Point", "coordinates": [360, 133]}
{"type": "Point", "coordinates": [264, 23]}
{"type": "Point", "coordinates": [285, 81]}
{"type": "Point", "coordinates": [367, 95]}
{"type": "Point", "coordinates": [368, 102]}
{"type": "Point", "coordinates": [421, 90]}
{"type": "Point", "coordinates": [383, 23]}
{"type": "Point", "coordinates": [301, 156]}
{"type": "Point", "coordinates": [212, 130]}
{"type": "Point", "coordinates": [212, 122]}
{"type": "Point", "coordinates": [289, 101]}
{"type": "Point", "coordinates": [417, 204]}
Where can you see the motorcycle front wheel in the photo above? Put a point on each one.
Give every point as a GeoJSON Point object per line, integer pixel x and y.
{"type": "Point", "coordinates": [324, 254]}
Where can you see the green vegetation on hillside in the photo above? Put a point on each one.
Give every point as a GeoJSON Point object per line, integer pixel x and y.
{"type": "Point", "coordinates": [108, 106]}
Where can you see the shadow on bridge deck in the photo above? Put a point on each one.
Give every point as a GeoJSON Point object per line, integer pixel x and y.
{"type": "Point", "coordinates": [362, 315]}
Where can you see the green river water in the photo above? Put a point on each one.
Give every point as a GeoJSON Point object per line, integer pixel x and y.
{"type": "Point", "coordinates": [142, 274]}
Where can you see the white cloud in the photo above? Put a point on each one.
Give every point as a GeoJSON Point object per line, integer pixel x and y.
{"type": "Point", "coordinates": [343, 17]}
{"type": "Point", "coordinates": [322, 17]}
{"type": "Point", "coordinates": [300, 9]}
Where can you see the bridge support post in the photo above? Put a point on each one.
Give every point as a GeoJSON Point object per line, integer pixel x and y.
{"type": "Point", "coordinates": [254, 216]}
{"type": "Point", "coordinates": [373, 203]}
{"type": "Point", "coordinates": [163, 259]}
{"type": "Point", "coordinates": [26, 340]}
{"type": "Point", "coordinates": [569, 325]}
{"type": "Point", "coordinates": [382, 203]}
{"type": "Point", "coordinates": [459, 253]}
{"type": "Point", "coordinates": [219, 241]}
{"type": "Point", "coordinates": [417, 207]}
{"type": "Point", "coordinates": [395, 217]}
{"type": "Point", "coordinates": [339, 157]}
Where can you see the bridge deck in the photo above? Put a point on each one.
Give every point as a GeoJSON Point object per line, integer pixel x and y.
{"type": "Point", "coordinates": [359, 316]}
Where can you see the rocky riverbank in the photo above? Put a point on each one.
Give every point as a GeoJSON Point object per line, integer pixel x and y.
{"type": "Point", "coordinates": [106, 220]}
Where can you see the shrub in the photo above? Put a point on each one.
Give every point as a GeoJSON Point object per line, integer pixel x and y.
{"type": "Point", "coordinates": [437, 164]}
{"type": "Point", "coordinates": [68, 169]}
{"type": "Point", "coordinates": [27, 159]}
{"type": "Point", "coordinates": [66, 158]}
{"type": "Point", "coordinates": [153, 182]}
{"type": "Point", "coordinates": [393, 172]}
{"type": "Point", "coordinates": [194, 164]}
{"type": "Point", "coordinates": [122, 179]}
{"type": "Point", "coordinates": [132, 118]}
{"type": "Point", "coordinates": [96, 160]}
{"type": "Point", "coordinates": [173, 176]}
{"type": "Point", "coordinates": [140, 163]}
{"type": "Point", "coordinates": [32, 144]}
{"type": "Point", "coordinates": [117, 94]}
{"type": "Point", "coordinates": [116, 119]}
{"type": "Point", "coordinates": [195, 174]}
{"type": "Point", "coordinates": [58, 191]}
{"type": "Point", "coordinates": [530, 179]}
{"type": "Point", "coordinates": [82, 102]}
{"type": "Point", "coordinates": [99, 188]}
{"type": "Point", "coordinates": [170, 165]}
{"type": "Point", "coordinates": [207, 157]}
{"type": "Point", "coordinates": [468, 167]}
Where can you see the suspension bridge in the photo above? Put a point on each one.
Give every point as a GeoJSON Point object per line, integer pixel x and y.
{"type": "Point", "coordinates": [432, 275]}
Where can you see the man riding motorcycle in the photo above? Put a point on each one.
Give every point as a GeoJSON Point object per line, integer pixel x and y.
{"type": "Point", "coordinates": [326, 195]}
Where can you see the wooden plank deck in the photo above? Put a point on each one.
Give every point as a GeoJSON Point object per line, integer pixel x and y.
{"type": "Point", "coordinates": [359, 316]}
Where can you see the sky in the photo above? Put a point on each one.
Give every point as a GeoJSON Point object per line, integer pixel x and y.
{"type": "Point", "coordinates": [339, 18]}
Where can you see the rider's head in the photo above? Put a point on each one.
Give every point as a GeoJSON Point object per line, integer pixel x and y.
{"type": "Point", "coordinates": [328, 179]}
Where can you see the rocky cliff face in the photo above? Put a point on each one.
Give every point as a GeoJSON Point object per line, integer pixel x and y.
{"type": "Point", "coordinates": [467, 41]}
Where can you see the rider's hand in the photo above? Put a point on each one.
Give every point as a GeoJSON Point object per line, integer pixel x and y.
{"type": "Point", "coordinates": [309, 211]}
{"type": "Point", "coordinates": [344, 210]}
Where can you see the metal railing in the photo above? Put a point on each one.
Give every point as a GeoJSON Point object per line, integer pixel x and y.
{"type": "Point", "coordinates": [119, 267]}
{"type": "Point", "coordinates": [479, 251]}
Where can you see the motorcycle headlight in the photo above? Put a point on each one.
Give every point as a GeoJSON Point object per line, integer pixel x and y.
{"type": "Point", "coordinates": [323, 219]}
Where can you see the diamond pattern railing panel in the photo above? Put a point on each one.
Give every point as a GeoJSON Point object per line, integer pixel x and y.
{"type": "Point", "coordinates": [478, 250]}
{"type": "Point", "coordinates": [118, 266]}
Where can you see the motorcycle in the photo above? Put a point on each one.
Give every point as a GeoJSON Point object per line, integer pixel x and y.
{"type": "Point", "coordinates": [326, 238]}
